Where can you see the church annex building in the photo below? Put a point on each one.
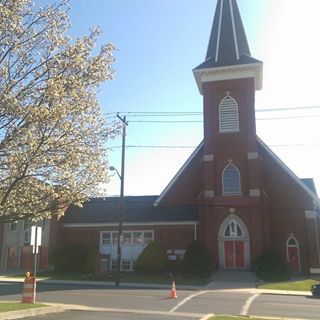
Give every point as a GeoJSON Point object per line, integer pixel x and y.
{"type": "Point", "coordinates": [233, 193]}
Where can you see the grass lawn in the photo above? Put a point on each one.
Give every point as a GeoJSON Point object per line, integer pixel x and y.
{"type": "Point", "coordinates": [15, 306]}
{"type": "Point", "coordinates": [301, 285]}
{"type": "Point", "coordinates": [234, 318]}
{"type": "Point", "coordinates": [129, 277]}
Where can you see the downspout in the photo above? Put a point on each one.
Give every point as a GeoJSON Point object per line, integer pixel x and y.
{"type": "Point", "coordinates": [195, 232]}
{"type": "Point", "coordinates": [3, 249]}
{"type": "Point", "coordinates": [317, 232]}
{"type": "Point", "coordinates": [317, 239]}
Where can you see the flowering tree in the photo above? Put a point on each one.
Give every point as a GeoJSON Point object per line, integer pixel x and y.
{"type": "Point", "coordinates": [51, 128]}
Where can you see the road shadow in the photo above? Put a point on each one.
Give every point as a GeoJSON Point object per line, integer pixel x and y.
{"type": "Point", "coordinates": [8, 288]}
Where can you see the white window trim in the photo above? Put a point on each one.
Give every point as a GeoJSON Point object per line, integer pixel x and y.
{"type": "Point", "coordinates": [233, 236]}
{"type": "Point", "coordinates": [101, 238]}
{"type": "Point", "coordinates": [11, 224]}
{"type": "Point", "coordinates": [111, 232]}
{"type": "Point", "coordinates": [223, 122]}
{"type": "Point", "coordinates": [131, 265]}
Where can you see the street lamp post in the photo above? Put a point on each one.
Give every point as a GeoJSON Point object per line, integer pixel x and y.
{"type": "Point", "coordinates": [120, 216]}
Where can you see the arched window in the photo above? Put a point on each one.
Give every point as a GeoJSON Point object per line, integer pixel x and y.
{"type": "Point", "coordinates": [231, 180]}
{"type": "Point", "coordinates": [233, 230]}
{"type": "Point", "coordinates": [292, 242]}
{"type": "Point", "coordinates": [228, 115]}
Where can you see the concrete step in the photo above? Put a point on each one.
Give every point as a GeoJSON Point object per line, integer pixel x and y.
{"type": "Point", "coordinates": [234, 276]}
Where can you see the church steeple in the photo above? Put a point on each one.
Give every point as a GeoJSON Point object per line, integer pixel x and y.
{"type": "Point", "coordinates": [228, 45]}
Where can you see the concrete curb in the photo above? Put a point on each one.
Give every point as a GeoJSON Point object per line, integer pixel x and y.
{"type": "Point", "coordinates": [285, 292]}
{"type": "Point", "coordinates": [32, 312]}
{"type": "Point", "coordinates": [208, 316]}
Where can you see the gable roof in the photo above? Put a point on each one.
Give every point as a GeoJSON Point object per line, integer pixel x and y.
{"type": "Point", "coordinates": [179, 173]}
{"type": "Point", "coordinates": [137, 209]}
{"type": "Point", "coordinates": [304, 186]}
{"type": "Point", "coordinates": [228, 43]}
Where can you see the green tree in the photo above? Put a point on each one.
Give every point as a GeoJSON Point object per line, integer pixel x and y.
{"type": "Point", "coordinates": [51, 127]}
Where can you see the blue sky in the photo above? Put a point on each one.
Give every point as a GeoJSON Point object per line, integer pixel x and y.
{"type": "Point", "coordinates": [159, 43]}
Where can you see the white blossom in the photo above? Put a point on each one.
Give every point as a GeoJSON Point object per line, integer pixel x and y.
{"type": "Point", "coordinates": [52, 132]}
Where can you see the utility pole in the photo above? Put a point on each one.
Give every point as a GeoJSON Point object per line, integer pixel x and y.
{"type": "Point", "coordinates": [121, 203]}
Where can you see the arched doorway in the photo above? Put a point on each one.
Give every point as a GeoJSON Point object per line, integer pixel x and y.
{"type": "Point", "coordinates": [234, 245]}
{"type": "Point", "coordinates": [293, 254]}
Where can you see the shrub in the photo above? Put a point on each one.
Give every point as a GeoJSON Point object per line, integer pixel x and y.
{"type": "Point", "coordinates": [197, 260]}
{"type": "Point", "coordinates": [271, 267]}
{"type": "Point", "coordinates": [152, 260]}
{"type": "Point", "coordinates": [175, 267]}
{"type": "Point", "coordinates": [70, 258]}
{"type": "Point", "coordinates": [90, 262]}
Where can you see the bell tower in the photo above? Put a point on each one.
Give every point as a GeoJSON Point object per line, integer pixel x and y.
{"type": "Point", "coordinates": [228, 79]}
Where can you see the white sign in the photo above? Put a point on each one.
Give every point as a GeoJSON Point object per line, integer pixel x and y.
{"type": "Point", "coordinates": [36, 235]}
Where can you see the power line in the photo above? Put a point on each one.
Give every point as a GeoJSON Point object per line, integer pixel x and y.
{"type": "Point", "coordinates": [288, 109]}
{"type": "Point", "coordinates": [291, 117]}
{"type": "Point", "coordinates": [166, 121]}
{"type": "Point", "coordinates": [135, 115]}
{"type": "Point", "coordinates": [154, 147]}
{"type": "Point", "coordinates": [193, 147]}
{"type": "Point", "coordinates": [200, 121]}
{"type": "Point", "coordinates": [188, 113]}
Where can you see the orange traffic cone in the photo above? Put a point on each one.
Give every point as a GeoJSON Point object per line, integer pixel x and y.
{"type": "Point", "coordinates": [173, 294]}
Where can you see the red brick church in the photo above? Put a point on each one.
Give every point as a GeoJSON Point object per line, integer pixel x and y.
{"type": "Point", "coordinates": [233, 193]}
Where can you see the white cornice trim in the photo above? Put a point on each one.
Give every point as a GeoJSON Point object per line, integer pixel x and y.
{"type": "Point", "coordinates": [241, 71]}
{"type": "Point", "coordinates": [129, 224]}
{"type": "Point", "coordinates": [178, 174]}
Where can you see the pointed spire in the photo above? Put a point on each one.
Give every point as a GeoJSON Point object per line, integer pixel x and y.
{"type": "Point", "coordinates": [228, 43]}
{"type": "Point", "coordinates": [228, 55]}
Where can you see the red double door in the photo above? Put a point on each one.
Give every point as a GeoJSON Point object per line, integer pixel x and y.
{"type": "Point", "coordinates": [234, 254]}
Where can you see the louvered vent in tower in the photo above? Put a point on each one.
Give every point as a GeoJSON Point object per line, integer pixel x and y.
{"type": "Point", "coordinates": [228, 115]}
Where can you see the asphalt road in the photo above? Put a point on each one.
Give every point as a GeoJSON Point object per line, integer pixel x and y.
{"type": "Point", "coordinates": [145, 304]}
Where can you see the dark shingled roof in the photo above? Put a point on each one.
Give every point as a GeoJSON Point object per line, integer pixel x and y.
{"type": "Point", "coordinates": [309, 182]}
{"type": "Point", "coordinates": [136, 209]}
{"type": "Point", "coordinates": [228, 43]}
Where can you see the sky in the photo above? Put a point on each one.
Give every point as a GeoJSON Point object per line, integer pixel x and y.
{"type": "Point", "coordinates": [159, 42]}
